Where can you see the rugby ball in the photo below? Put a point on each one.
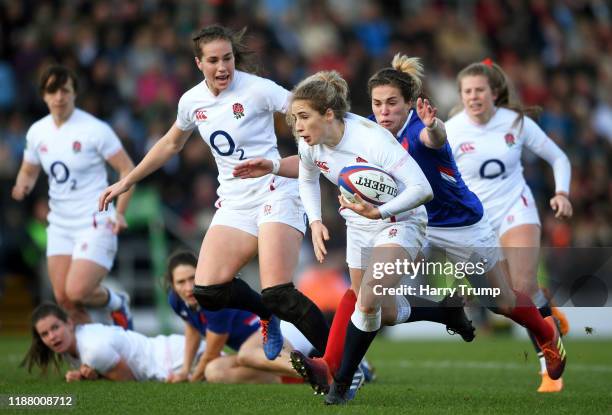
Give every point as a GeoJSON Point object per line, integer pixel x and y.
{"type": "Point", "coordinates": [370, 182]}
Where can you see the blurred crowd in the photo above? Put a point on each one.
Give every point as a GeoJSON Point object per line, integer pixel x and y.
{"type": "Point", "coordinates": [134, 61]}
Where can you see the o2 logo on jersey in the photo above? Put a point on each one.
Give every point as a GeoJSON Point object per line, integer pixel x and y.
{"type": "Point", "coordinates": [492, 169]}
{"type": "Point", "coordinates": [60, 173]}
{"type": "Point", "coordinates": [230, 142]}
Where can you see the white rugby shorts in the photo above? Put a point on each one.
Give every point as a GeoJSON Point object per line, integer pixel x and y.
{"type": "Point", "coordinates": [360, 239]}
{"type": "Point", "coordinates": [477, 242]}
{"type": "Point", "coordinates": [279, 207]}
{"type": "Point", "coordinates": [95, 242]}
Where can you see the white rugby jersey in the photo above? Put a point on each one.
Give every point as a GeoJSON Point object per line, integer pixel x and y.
{"type": "Point", "coordinates": [363, 141]}
{"type": "Point", "coordinates": [73, 156]}
{"type": "Point", "coordinates": [489, 156]}
{"type": "Point", "coordinates": [149, 358]}
{"type": "Point", "coordinates": [237, 124]}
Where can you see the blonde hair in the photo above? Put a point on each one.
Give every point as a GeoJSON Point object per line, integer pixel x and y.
{"type": "Point", "coordinates": [405, 73]}
{"type": "Point", "coordinates": [324, 90]}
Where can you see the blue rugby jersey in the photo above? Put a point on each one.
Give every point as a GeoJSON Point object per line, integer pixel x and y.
{"type": "Point", "coordinates": [239, 324]}
{"type": "Point", "coordinates": [453, 204]}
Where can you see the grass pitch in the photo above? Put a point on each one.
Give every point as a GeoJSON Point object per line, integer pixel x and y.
{"type": "Point", "coordinates": [488, 376]}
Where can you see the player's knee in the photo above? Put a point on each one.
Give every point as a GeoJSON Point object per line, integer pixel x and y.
{"type": "Point", "coordinates": [214, 373]}
{"type": "Point", "coordinates": [75, 294]}
{"type": "Point", "coordinates": [213, 297]}
{"type": "Point", "coordinates": [246, 357]}
{"type": "Point", "coordinates": [286, 302]}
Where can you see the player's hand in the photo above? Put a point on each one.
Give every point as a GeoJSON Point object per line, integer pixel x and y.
{"type": "Point", "coordinates": [320, 234]}
{"type": "Point", "coordinates": [426, 112]}
{"type": "Point", "coordinates": [88, 373]}
{"type": "Point", "coordinates": [73, 376]}
{"type": "Point", "coordinates": [110, 193]}
{"type": "Point", "coordinates": [178, 377]}
{"type": "Point", "coordinates": [257, 167]}
{"type": "Point", "coordinates": [361, 207]}
{"type": "Point", "coordinates": [119, 224]}
{"type": "Point", "coordinates": [20, 192]}
{"type": "Point", "coordinates": [197, 376]}
{"type": "Point", "coordinates": [562, 206]}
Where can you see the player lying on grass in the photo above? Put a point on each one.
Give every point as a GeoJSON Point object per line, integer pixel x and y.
{"type": "Point", "coordinates": [98, 351]}
{"type": "Point", "coordinates": [236, 329]}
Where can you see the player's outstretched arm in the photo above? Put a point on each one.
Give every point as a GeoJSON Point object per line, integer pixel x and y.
{"type": "Point", "coordinates": [26, 179]}
{"type": "Point", "coordinates": [192, 342]}
{"type": "Point", "coordinates": [434, 133]}
{"type": "Point", "coordinates": [122, 163]}
{"type": "Point", "coordinates": [258, 167]}
{"type": "Point", "coordinates": [215, 343]}
{"type": "Point", "coordinates": [167, 146]}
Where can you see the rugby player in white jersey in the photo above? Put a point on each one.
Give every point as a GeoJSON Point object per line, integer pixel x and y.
{"type": "Point", "coordinates": [330, 138]}
{"type": "Point", "coordinates": [73, 147]}
{"type": "Point", "coordinates": [233, 112]}
{"type": "Point", "coordinates": [487, 138]}
{"type": "Point", "coordinates": [96, 351]}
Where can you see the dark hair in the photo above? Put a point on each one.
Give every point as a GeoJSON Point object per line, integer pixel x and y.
{"type": "Point", "coordinates": [242, 55]}
{"type": "Point", "coordinates": [498, 81]}
{"type": "Point", "coordinates": [176, 259]}
{"type": "Point", "coordinates": [55, 77]}
{"type": "Point", "coordinates": [39, 354]}
{"type": "Point", "coordinates": [405, 74]}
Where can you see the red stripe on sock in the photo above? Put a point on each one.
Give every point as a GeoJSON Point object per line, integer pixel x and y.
{"type": "Point", "coordinates": [337, 332]}
{"type": "Point", "coordinates": [527, 315]}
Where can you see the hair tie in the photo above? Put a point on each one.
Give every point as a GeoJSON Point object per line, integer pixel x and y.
{"type": "Point", "coordinates": [488, 62]}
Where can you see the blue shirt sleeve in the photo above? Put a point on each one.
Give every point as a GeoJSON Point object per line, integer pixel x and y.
{"type": "Point", "coordinates": [173, 300]}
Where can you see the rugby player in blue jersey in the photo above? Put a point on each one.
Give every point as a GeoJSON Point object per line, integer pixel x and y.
{"type": "Point", "coordinates": [234, 328]}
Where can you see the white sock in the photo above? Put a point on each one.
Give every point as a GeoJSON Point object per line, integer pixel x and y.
{"type": "Point", "coordinates": [114, 301]}
{"type": "Point", "coordinates": [366, 322]}
{"type": "Point", "coordinates": [403, 309]}
{"type": "Point", "coordinates": [539, 299]}
{"type": "Point", "coordinates": [542, 364]}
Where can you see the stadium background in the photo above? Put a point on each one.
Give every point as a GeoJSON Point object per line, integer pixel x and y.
{"type": "Point", "coordinates": [134, 60]}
